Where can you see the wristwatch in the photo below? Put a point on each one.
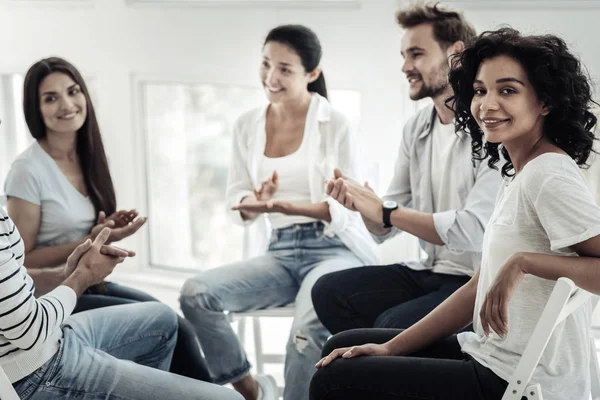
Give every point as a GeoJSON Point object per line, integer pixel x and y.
{"type": "Point", "coordinates": [388, 207]}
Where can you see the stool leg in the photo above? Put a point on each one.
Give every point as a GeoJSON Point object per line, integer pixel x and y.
{"type": "Point", "coordinates": [260, 363]}
{"type": "Point", "coordinates": [242, 330]}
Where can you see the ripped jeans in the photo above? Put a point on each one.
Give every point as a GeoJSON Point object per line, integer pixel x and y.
{"type": "Point", "coordinates": [298, 255]}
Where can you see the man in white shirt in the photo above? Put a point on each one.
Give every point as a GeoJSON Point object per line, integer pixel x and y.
{"type": "Point", "coordinates": [437, 194]}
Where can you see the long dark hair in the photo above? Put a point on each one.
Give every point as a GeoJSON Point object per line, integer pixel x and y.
{"type": "Point", "coordinates": [557, 77]}
{"type": "Point", "coordinates": [90, 149]}
{"type": "Point", "coordinates": [306, 44]}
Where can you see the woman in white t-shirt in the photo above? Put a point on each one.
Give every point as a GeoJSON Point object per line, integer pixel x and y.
{"type": "Point", "coordinates": [60, 193]}
{"type": "Point", "coordinates": [282, 155]}
{"type": "Point", "coordinates": [528, 98]}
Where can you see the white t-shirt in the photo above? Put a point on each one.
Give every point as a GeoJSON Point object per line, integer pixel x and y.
{"type": "Point", "coordinates": [443, 140]}
{"type": "Point", "coordinates": [444, 190]}
{"type": "Point", "coordinates": [293, 184]}
{"type": "Point", "coordinates": [66, 214]}
{"type": "Point", "coordinates": [545, 209]}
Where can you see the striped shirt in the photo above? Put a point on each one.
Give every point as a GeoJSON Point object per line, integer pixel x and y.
{"type": "Point", "coordinates": [30, 328]}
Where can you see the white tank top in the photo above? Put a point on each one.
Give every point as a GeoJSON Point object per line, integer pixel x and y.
{"type": "Point", "coordinates": [293, 183]}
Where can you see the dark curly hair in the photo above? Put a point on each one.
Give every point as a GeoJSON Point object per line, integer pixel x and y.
{"type": "Point", "coordinates": [557, 77]}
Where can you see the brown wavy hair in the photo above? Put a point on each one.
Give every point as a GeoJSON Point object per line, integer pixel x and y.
{"type": "Point", "coordinates": [449, 26]}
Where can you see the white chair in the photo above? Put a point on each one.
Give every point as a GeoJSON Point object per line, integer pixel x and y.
{"type": "Point", "coordinates": [7, 392]}
{"type": "Point", "coordinates": [565, 298]}
{"type": "Point", "coordinates": [261, 357]}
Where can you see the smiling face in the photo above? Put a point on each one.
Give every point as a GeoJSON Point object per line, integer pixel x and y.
{"type": "Point", "coordinates": [282, 74]}
{"type": "Point", "coordinates": [505, 104]}
{"type": "Point", "coordinates": [62, 104]}
{"type": "Point", "coordinates": [425, 63]}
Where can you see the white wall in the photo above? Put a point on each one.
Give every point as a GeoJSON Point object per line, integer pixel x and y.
{"type": "Point", "coordinates": [110, 42]}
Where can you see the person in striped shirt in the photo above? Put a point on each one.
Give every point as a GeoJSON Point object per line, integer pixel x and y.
{"type": "Point", "coordinates": [47, 354]}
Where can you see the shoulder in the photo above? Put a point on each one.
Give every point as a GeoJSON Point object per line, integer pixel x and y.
{"type": "Point", "coordinates": [339, 123]}
{"type": "Point", "coordinates": [335, 121]}
{"type": "Point", "coordinates": [550, 170]}
{"type": "Point", "coordinates": [28, 162]}
{"type": "Point", "coordinates": [250, 117]}
{"type": "Point", "coordinates": [418, 123]}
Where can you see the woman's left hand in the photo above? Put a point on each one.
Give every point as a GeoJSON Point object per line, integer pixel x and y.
{"type": "Point", "coordinates": [262, 206]}
{"type": "Point", "coordinates": [123, 217]}
{"type": "Point", "coordinates": [494, 311]}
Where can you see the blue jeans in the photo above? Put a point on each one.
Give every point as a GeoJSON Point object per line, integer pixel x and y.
{"type": "Point", "coordinates": [298, 255]}
{"type": "Point", "coordinates": [118, 353]}
{"type": "Point", "coordinates": [187, 357]}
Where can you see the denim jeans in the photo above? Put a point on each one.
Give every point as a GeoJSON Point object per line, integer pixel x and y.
{"type": "Point", "coordinates": [439, 371]}
{"type": "Point", "coordinates": [298, 255]}
{"type": "Point", "coordinates": [187, 357]}
{"type": "Point", "coordinates": [118, 353]}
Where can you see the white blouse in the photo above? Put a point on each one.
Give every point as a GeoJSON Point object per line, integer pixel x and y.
{"type": "Point", "coordinates": [329, 144]}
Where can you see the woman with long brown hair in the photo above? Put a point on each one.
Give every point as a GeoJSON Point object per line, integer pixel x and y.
{"type": "Point", "coordinates": [60, 192]}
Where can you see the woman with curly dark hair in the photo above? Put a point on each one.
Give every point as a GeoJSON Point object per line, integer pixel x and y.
{"type": "Point", "coordinates": [527, 98]}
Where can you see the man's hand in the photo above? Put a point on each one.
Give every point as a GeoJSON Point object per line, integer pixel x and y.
{"type": "Point", "coordinates": [355, 197]}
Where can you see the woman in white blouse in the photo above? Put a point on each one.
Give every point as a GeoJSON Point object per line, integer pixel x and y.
{"type": "Point", "coordinates": [282, 155]}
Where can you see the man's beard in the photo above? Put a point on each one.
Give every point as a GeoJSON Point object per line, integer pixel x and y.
{"type": "Point", "coordinates": [441, 83]}
{"type": "Point", "coordinates": [429, 91]}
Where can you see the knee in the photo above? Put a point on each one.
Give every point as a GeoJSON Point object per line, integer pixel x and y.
{"type": "Point", "coordinates": [320, 383]}
{"type": "Point", "coordinates": [335, 342]}
{"type": "Point", "coordinates": [164, 318]}
{"type": "Point", "coordinates": [353, 337]}
{"type": "Point", "coordinates": [391, 319]}
{"type": "Point", "coordinates": [197, 294]}
{"type": "Point", "coordinates": [323, 291]}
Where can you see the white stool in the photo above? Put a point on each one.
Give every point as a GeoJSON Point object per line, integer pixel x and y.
{"type": "Point", "coordinates": [261, 357]}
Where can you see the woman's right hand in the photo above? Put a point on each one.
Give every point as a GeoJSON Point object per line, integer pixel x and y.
{"type": "Point", "coordinates": [369, 349]}
{"type": "Point", "coordinates": [116, 233]}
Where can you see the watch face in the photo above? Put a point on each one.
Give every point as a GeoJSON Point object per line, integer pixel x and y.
{"type": "Point", "coordinates": [390, 204]}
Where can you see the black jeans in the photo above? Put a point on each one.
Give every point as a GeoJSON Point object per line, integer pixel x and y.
{"type": "Point", "coordinates": [438, 372]}
{"type": "Point", "coordinates": [187, 357]}
{"type": "Point", "coordinates": [383, 296]}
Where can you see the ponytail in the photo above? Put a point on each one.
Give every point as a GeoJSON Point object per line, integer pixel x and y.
{"type": "Point", "coordinates": [318, 86]}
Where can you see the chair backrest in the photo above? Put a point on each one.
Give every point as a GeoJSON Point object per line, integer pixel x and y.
{"type": "Point", "coordinates": [7, 392]}
{"type": "Point", "coordinates": [564, 300]}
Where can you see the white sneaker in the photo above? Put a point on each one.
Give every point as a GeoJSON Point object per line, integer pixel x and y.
{"type": "Point", "coordinates": [267, 388]}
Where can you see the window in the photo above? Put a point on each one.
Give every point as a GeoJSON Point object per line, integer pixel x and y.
{"type": "Point", "coordinates": [187, 131]}
{"type": "Point", "coordinates": [15, 137]}
{"type": "Point", "coordinates": [242, 3]}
